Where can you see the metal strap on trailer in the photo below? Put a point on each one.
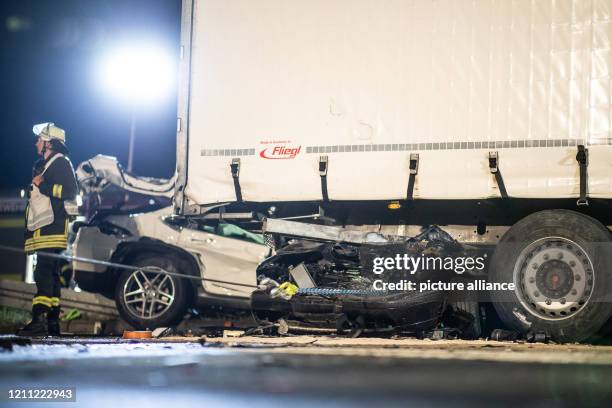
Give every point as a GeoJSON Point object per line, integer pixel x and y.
{"type": "Point", "coordinates": [582, 157]}
{"type": "Point", "coordinates": [494, 167]}
{"type": "Point", "coordinates": [235, 168]}
{"type": "Point", "coordinates": [323, 164]}
{"type": "Point", "coordinates": [414, 170]}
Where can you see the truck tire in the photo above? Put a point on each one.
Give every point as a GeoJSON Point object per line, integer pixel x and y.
{"type": "Point", "coordinates": [561, 264]}
{"type": "Point", "coordinates": [148, 300]}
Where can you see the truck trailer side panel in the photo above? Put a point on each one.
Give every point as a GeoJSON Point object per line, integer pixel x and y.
{"type": "Point", "coordinates": [280, 83]}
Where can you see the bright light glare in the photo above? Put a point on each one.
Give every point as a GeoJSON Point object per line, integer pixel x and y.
{"type": "Point", "coordinates": [137, 75]}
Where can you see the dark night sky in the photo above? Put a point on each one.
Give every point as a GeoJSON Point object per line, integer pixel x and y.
{"type": "Point", "coordinates": [47, 64]}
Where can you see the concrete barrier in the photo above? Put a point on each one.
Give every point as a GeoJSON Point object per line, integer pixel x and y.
{"type": "Point", "coordinates": [92, 306]}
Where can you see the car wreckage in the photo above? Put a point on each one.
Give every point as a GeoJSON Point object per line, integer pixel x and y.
{"type": "Point", "coordinates": [127, 220]}
{"type": "Point", "coordinates": [310, 284]}
{"type": "Point", "coordinates": [325, 282]}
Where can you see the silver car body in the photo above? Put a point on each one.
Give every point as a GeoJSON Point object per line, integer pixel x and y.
{"type": "Point", "coordinates": [218, 257]}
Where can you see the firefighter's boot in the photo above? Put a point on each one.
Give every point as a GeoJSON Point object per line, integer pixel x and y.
{"type": "Point", "coordinates": [38, 326]}
{"type": "Point", "coordinates": [53, 321]}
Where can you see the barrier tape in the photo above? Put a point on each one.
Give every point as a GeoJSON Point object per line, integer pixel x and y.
{"type": "Point", "coordinates": [123, 266]}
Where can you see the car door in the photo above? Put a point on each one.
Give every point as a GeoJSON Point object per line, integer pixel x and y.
{"type": "Point", "coordinates": [228, 254]}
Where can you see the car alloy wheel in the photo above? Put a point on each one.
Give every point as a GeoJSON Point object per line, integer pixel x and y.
{"type": "Point", "coordinates": [148, 294]}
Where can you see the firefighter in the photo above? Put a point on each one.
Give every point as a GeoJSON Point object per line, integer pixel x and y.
{"type": "Point", "coordinates": [53, 188]}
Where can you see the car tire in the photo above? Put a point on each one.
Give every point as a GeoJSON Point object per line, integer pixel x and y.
{"type": "Point", "coordinates": [159, 302]}
{"type": "Point", "coordinates": [561, 264]}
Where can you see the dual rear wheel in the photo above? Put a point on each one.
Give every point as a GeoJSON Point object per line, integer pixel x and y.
{"type": "Point", "coordinates": [561, 264]}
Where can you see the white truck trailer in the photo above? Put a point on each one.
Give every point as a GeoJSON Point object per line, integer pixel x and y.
{"type": "Point", "coordinates": [491, 118]}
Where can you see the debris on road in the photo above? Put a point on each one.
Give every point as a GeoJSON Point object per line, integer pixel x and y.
{"type": "Point", "coordinates": [232, 333]}
{"type": "Point", "coordinates": [144, 334]}
{"type": "Point", "coordinates": [503, 335]}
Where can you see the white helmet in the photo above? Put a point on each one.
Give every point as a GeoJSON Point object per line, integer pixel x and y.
{"type": "Point", "coordinates": [48, 131]}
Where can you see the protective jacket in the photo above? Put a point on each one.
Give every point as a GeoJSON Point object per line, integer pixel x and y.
{"type": "Point", "coordinates": [46, 217]}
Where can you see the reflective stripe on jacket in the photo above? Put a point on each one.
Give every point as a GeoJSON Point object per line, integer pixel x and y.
{"type": "Point", "coordinates": [59, 185]}
{"type": "Point", "coordinates": [38, 241]}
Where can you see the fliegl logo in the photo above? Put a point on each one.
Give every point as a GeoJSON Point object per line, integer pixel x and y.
{"type": "Point", "coordinates": [280, 152]}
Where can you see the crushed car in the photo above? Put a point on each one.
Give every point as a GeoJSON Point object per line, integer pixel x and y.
{"type": "Point", "coordinates": [128, 220]}
{"type": "Point", "coordinates": [308, 284]}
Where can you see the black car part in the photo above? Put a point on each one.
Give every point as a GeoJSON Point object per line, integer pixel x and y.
{"type": "Point", "coordinates": [342, 297]}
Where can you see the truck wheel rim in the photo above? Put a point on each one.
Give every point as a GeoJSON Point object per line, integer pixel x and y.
{"type": "Point", "coordinates": [554, 278]}
{"type": "Point", "coordinates": [148, 295]}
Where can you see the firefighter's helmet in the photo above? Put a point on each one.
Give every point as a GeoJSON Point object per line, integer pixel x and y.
{"type": "Point", "coordinates": [48, 131]}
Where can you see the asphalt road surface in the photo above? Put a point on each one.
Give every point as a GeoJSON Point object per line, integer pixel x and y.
{"type": "Point", "coordinates": [307, 371]}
